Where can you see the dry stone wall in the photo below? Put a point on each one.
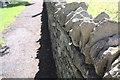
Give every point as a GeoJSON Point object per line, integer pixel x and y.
{"type": "Point", "coordinates": [83, 46]}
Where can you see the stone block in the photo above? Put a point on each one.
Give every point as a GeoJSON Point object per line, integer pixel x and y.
{"type": "Point", "coordinates": [76, 17]}
{"type": "Point", "coordinates": [101, 16]}
{"type": "Point", "coordinates": [107, 28]}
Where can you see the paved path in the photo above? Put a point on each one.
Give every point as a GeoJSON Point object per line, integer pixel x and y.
{"type": "Point", "coordinates": [21, 36]}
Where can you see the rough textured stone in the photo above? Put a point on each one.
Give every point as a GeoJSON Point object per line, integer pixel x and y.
{"type": "Point", "coordinates": [72, 13]}
{"type": "Point", "coordinates": [80, 32]}
{"type": "Point", "coordinates": [60, 16]}
{"type": "Point", "coordinates": [62, 51]}
{"type": "Point", "coordinates": [69, 16]}
{"type": "Point", "coordinates": [101, 16]}
{"type": "Point", "coordinates": [75, 33]}
{"type": "Point", "coordinates": [81, 47]}
{"type": "Point", "coordinates": [103, 55]}
{"type": "Point", "coordinates": [114, 70]}
{"type": "Point", "coordinates": [69, 24]}
{"type": "Point", "coordinates": [86, 14]}
{"type": "Point", "coordinates": [85, 28]}
{"type": "Point", "coordinates": [59, 5]}
{"type": "Point", "coordinates": [83, 5]}
{"type": "Point", "coordinates": [64, 9]}
{"type": "Point", "coordinates": [104, 43]}
{"type": "Point", "coordinates": [70, 62]}
{"type": "Point", "coordinates": [107, 28]}
{"type": "Point", "coordinates": [76, 17]}
{"type": "Point", "coordinates": [73, 6]}
{"type": "Point", "coordinates": [96, 49]}
{"type": "Point", "coordinates": [104, 60]}
{"type": "Point", "coordinates": [115, 62]}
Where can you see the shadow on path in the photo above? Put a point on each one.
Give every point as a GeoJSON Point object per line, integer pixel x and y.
{"type": "Point", "coordinates": [36, 15]}
{"type": "Point", "coordinates": [46, 64]}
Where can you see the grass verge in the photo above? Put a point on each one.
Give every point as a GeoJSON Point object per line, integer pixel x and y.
{"type": "Point", "coordinates": [8, 13]}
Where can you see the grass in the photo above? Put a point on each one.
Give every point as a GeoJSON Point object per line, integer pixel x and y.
{"type": "Point", "coordinates": [8, 13]}
{"type": "Point", "coordinates": [1, 41]}
{"type": "Point", "coordinates": [108, 6]}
